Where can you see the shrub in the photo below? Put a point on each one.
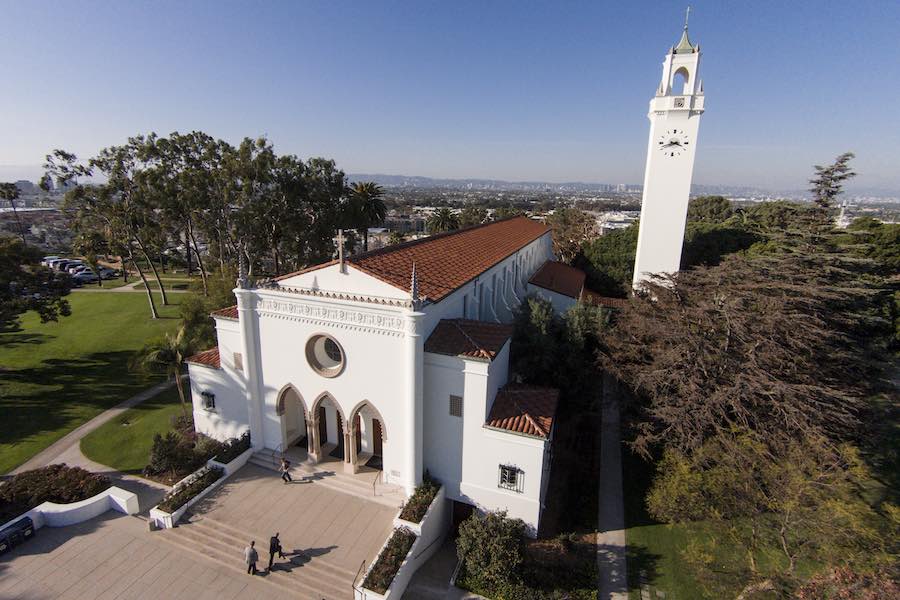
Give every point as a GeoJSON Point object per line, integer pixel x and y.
{"type": "Point", "coordinates": [233, 448]}
{"type": "Point", "coordinates": [388, 563]}
{"type": "Point", "coordinates": [169, 454]}
{"type": "Point", "coordinates": [55, 483]}
{"type": "Point", "coordinates": [490, 547]}
{"type": "Point", "coordinates": [192, 487]}
{"type": "Point", "coordinates": [206, 447]}
{"type": "Point", "coordinates": [417, 505]}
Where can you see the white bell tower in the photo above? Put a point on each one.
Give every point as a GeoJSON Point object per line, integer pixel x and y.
{"type": "Point", "coordinates": [674, 122]}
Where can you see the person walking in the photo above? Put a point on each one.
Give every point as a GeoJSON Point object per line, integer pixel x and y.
{"type": "Point", "coordinates": [250, 557]}
{"type": "Point", "coordinates": [274, 548]}
{"type": "Point", "coordinates": [285, 470]}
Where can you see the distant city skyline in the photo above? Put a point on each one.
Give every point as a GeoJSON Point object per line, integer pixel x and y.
{"type": "Point", "coordinates": [504, 91]}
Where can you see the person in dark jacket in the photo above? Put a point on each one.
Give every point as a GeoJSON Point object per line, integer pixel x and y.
{"type": "Point", "coordinates": [285, 470]}
{"type": "Point", "coordinates": [250, 557]}
{"type": "Point", "coordinates": [274, 548]}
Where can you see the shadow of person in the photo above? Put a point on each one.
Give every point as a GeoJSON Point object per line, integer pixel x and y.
{"type": "Point", "coordinates": [299, 557]}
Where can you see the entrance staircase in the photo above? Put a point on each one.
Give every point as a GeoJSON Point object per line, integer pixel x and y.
{"type": "Point", "coordinates": [367, 484]}
{"type": "Point", "coordinates": [306, 577]}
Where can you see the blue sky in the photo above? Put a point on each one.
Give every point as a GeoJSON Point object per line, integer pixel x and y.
{"type": "Point", "coordinates": [553, 91]}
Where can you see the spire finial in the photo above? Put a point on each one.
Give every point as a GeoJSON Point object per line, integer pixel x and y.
{"type": "Point", "coordinates": [243, 281]}
{"type": "Point", "coordinates": [687, 15]}
{"type": "Point", "coordinates": [414, 286]}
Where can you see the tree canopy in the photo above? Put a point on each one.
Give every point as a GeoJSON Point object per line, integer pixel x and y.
{"type": "Point", "coordinates": [26, 285]}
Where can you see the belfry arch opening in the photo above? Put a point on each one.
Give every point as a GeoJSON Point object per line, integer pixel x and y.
{"type": "Point", "coordinates": [681, 81]}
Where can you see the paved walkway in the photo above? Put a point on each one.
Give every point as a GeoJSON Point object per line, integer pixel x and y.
{"type": "Point", "coordinates": [68, 450]}
{"type": "Point", "coordinates": [611, 564]}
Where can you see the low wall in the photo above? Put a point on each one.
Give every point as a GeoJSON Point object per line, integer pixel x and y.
{"type": "Point", "coordinates": [169, 520]}
{"type": "Point", "coordinates": [51, 514]}
{"type": "Point", "coordinates": [429, 535]}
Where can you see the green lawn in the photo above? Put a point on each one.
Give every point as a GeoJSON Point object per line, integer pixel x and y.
{"type": "Point", "coordinates": [56, 376]}
{"type": "Point", "coordinates": [124, 442]}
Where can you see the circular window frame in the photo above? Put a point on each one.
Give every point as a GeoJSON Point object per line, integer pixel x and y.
{"type": "Point", "coordinates": [316, 365]}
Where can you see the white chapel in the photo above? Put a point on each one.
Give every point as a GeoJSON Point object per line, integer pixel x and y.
{"type": "Point", "coordinates": [396, 361]}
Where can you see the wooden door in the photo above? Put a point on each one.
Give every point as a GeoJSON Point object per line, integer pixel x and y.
{"type": "Point", "coordinates": [340, 431]}
{"type": "Point", "coordinates": [357, 425]}
{"type": "Point", "coordinates": [376, 437]}
{"type": "Point", "coordinates": [323, 426]}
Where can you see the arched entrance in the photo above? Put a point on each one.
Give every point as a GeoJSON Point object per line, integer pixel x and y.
{"type": "Point", "coordinates": [368, 435]}
{"type": "Point", "coordinates": [292, 410]}
{"type": "Point", "coordinates": [327, 430]}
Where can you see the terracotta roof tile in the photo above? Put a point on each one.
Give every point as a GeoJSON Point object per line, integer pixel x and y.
{"type": "Point", "coordinates": [525, 409]}
{"type": "Point", "coordinates": [592, 297]}
{"type": "Point", "coordinates": [207, 358]}
{"type": "Point", "coordinates": [471, 339]}
{"type": "Point", "coordinates": [445, 261]}
{"type": "Point", "coordinates": [229, 313]}
{"type": "Point", "coordinates": [559, 277]}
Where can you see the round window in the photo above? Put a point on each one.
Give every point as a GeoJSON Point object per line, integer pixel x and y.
{"type": "Point", "coordinates": [325, 355]}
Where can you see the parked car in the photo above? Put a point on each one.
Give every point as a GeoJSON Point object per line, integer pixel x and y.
{"type": "Point", "coordinates": [48, 259]}
{"type": "Point", "coordinates": [107, 273]}
{"type": "Point", "coordinates": [86, 276]}
{"type": "Point", "coordinates": [75, 266]}
{"type": "Point", "coordinates": [62, 265]}
{"type": "Point", "coordinates": [15, 534]}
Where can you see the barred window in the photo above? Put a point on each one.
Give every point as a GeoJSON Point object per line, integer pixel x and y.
{"type": "Point", "coordinates": [456, 406]}
{"type": "Point", "coordinates": [238, 362]}
{"type": "Point", "coordinates": [511, 478]}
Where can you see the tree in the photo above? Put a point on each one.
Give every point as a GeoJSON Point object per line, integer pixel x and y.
{"type": "Point", "coordinates": [26, 285]}
{"type": "Point", "coordinates": [571, 228]}
{"type": "Point", "coordinates": [828, 182]}
{"type": "Point", "coordinates": [167, 356]}
{"type": "Point", "coordinates": [472, 215]}
{"type": "Point", "coordinates": [608, 261]}
{"type": "Point", "coordinates": [396, 237]}
{"type": "Point", "coordinates": [490, 547]}
{"type": "Point", "coordinates": [9, 192]}
{"type": "Point", "coordinates": [442, 220]}
{"type": "Point", "coordinates": [367, 207]}
{"type": "Point", "coordinates": [507, 212]}
{"type": "Point", "coordinates": [709, 209]}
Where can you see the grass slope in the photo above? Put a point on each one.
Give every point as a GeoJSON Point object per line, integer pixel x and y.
{"type": "Point", "coordinates": [56, 376]}
{"type": "Point", "coordinates": [124, 443]}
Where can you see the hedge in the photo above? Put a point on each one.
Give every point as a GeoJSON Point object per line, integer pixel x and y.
{"type": "Point", "coordinates": [388, 563]}
{"type": "Point", "coordinates": [198, 482]}
{"type": "Point", "coordinates": [54, 483]}
{"type": "Point", "coordinates": [233, 448]}
{"type": "Point", "coordinates": [417, 505]}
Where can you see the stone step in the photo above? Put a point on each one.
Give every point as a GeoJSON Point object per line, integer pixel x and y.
{"type": "Point", "coordinates": [302, 585]}
{"type": "Point", "coordinates": [237, 538]}
{"type": "Point", "coordinates": [389, 496]}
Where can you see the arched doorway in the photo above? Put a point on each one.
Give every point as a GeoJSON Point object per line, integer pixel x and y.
{"type": "Point", "coordinates": [369, 436]}
{"type": "Point", "coordinates": [292, 410]}
{"type": "Point", "coordinates": [328, 430]}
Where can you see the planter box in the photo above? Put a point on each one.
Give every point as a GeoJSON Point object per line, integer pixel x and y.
{"type": "Point", "coordinates": [429, 535]}
{"type": "Point", "coordinates": [51, 514]}
{"type": "Point", "coordinates": [235, 464]}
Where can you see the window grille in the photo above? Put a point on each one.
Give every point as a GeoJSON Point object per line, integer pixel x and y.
{"type": "Point", "coordinates": [238, 362]}
{"type": "Point", "coordinates": [456, 406]}
{"type": "Point", "coordinates": [511, 478]}
{"type": "Point", "coordinates": [209, 400]}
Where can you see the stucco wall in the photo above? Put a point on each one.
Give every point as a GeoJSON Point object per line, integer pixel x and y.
{"type": "Point", "coordinates": [229, 418]}
{"type": "Point", "coordinates": [560, 302]}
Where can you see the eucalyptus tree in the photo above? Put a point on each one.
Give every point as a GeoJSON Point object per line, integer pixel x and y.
{"type": "Point", "coordinates": [326, 209]}
{"type": "Point", "coordinates": [366, 207]}
{"type": "Point", "coordinates": [9, 192]}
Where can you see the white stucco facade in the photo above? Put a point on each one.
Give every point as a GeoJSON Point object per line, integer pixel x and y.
{"type": "Point", "coordinates": [674, 124]}
{"type": "Point", "coordinates": [266, 382]}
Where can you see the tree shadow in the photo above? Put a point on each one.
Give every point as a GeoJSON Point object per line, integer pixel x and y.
{"type": "Point", "coordinates": [643, 567]}
{"type": "Point", "coordinates": [13, 340]}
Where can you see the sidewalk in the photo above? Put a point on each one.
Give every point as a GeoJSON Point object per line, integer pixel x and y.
{"type": "Point", "coordinates": [68, 450]}
{"type": "Point", "coordinates": [611, 549]}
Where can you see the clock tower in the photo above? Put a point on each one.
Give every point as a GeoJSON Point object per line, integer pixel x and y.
{"type": "Point", "coordinates": [674, 122]}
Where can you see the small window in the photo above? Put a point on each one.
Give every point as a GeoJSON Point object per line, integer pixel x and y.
{"type": "Point", "coordinates": [511, 478]}
{"type": "Point", "coordinates": [238, 362]}
{"type": "Point", "coordinates": [332, 350]}
{"type": "Point", "coordinates": [208, 400]}
{"type": "Point", "coordinates": [456, 406]}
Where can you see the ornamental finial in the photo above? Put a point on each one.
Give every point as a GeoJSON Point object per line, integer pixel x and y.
{"type": "Point", "coordinates": [243, 281]}
{"type": "Point", "coordinates": [414, 285]}
{"type": "Point", "coordinates": [687, 15]}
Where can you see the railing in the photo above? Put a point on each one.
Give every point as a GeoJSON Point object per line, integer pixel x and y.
{"type": "Point", "coordinates": [375, 481]}
{"type": "Point", "coordinates": [362, 567]}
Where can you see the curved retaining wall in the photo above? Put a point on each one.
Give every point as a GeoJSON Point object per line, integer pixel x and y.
{"type": "Point", "coordinates": [51, 514]}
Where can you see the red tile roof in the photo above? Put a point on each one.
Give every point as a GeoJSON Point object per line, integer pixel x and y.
{"type": "Point", "coordinates": [470, 339]}
{"type": "Point", "coordinates": [446, 261]}
{"type": "Point", "coordinates": [592, 297]}
{"type": "Point", "coordinates": [229, 313]}
{"type": "Point", "coordinates": [207, 358]}
{"type": "Point", "coordinates": [526, 409]}
{"type": "Point", "coordinates": [559, 277]}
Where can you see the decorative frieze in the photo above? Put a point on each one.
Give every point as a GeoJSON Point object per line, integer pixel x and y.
{"type": "Point", "coordinates": [333, 315]}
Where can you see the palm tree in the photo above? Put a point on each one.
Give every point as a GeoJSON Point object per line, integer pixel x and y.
{"type": "Point", "coordinates": [367, 207]}
{"type": "Point", "coordinates": [167, 356]}
{"type": "Point", "coordinates": [9, 191]}
{"type": "Point", "coordinates": [442, 220]}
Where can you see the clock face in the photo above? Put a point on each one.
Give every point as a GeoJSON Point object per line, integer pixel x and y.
{"type": "Point", "coordinates": [673, 142]}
